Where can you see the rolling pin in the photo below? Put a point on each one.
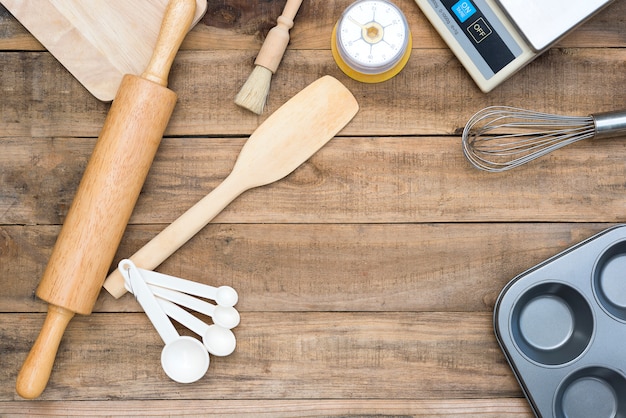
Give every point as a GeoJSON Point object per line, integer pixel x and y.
{"type": "Point", "coordinates": [106, 197]}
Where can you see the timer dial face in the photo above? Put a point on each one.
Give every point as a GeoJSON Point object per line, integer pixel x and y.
{"type": "Point", "coordinates": [372, 36]}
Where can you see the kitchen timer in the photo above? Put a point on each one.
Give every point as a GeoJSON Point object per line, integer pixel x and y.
{"type": "Point", "coordinates": [371, 42]}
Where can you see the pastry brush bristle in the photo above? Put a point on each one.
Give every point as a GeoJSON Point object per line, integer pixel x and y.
{"type": "Point", "coordinates": [253, 93]}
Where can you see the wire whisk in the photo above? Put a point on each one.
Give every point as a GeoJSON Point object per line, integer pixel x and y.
{"type": "Point", "coordinates": [499, 138]}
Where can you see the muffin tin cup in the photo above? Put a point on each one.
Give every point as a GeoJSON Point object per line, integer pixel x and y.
{"type": "Point", "coordinates": [566, 321]}
{"type": "Point", "coordinates": [562, 328]}
{"type": "Point", "coordinates": [609, 280]}
{"type": "Point", "coordinates": [594, 391]}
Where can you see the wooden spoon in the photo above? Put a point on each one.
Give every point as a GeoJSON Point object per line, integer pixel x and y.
{"type": "Point", "coordinates": [278, 146]}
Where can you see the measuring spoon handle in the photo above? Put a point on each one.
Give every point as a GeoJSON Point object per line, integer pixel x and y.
{"type": "Point", "coordinates": [223, 295]}
{"type": "Point", "coordinates": [183, 317]}
{"type": "Point", "coordinates": [225, 316]}
{"type": "Point", "coordinates": [138, 287]}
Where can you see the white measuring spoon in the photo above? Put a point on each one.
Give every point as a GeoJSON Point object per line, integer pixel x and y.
{"type": "Point", "coordinates": [184, 359]}
{"type": "Point", "coordinates": [223, 295]}
{"type": "Point", "coordinates": [224, 316]}
{"type": "Point", "coordinates": [218, 341]}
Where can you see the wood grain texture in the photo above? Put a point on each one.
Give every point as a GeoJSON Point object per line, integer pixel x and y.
{"type": "Point", "coordinates": [279, 355]}
{"type": "Point", "coordinates": [98, 42]}
{"type": "Point", "coordinates": [387, 180]}
{"type": "Point", "coordinates": [299, 267]}
{"type": "Point", "coordinates": [203, 79]}
{"type": "Point", "coordinates": [466, 408]}
{"type": "Point", "coordinates": [367, 278]}
{"type": "Point", "coordinates": [243, 25]}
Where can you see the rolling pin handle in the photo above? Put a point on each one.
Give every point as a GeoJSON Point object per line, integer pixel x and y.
{"type": "Point", "coordinates": [176, 23]}
{"type": "Point", "coordinates": [35, 372]}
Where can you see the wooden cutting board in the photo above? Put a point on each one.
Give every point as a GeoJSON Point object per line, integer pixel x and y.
{"type": "Point", "coordinates": [98, 41]}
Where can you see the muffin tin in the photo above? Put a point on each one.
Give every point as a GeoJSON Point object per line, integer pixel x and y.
{"type": "Point", "coordinates": [562, 328]}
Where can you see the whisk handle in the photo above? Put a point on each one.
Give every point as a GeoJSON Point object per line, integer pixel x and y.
{"type": "Point", "coordinates": [609, 124]}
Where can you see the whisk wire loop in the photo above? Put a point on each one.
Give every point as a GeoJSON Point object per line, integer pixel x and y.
{"type": "Point", "coordinates": [499, 138]}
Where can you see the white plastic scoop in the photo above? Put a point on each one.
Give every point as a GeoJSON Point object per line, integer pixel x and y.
{"type": "Point", "coordinates": [223, 295]}
{"type": "Point", "coordinates": [224, 316]}
{"type": "Point", "coordinates": [178, 290]}
{"type": "Point", "coordinates": [218, 340]}
{"type": "Point", "coordinates": [184, 359]}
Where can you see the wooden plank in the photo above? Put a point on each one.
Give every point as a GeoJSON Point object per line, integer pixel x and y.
{"type": "Point", "coordinates": [466, 408]}
{"type": "Point", "coordinates": [241, 24]}
{"type": "Point", "coordinates": [279, 355]}
{"type": "Point", "coordinates": [13, 36]}
{"type": "Point", "coordinates": [42, 99]}
{"type": "Point", "coordinates": [353, 180]}
{"type": "Point", "coordinates": [292, 267]}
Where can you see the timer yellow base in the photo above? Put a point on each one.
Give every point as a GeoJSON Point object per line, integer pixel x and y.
{"type": "Point", "coordinates": [369, 78]}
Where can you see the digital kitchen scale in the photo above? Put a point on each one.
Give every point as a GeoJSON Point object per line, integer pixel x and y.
{"type": "Point", "coordinates": [495, 38]}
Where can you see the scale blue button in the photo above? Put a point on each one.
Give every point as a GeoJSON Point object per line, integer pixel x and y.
{"type": "Point", "coordinates": [463, 10]}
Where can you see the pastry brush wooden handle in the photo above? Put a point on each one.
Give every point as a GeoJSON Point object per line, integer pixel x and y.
{"type": "Point", "coordinates": [277, 39]}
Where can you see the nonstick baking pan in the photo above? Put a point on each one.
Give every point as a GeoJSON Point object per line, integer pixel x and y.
{"type": "Point", "coordinates": [562, 328]}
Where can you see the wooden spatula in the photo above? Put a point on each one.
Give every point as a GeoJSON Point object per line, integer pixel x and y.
{"type": "Point", "coordinates": [291, 135]}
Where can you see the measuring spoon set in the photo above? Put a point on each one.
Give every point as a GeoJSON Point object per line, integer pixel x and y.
{"type": "Point", "coordinates": [184, 359]}
{"type": "Point", "coordinates": [313, 116]}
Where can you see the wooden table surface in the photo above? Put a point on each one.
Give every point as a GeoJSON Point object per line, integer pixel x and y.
{"type": "Point", "coordinates": [367, 278]}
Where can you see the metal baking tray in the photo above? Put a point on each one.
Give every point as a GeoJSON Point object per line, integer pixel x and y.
{"type": "Point", "coordinates": [562, 328]}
